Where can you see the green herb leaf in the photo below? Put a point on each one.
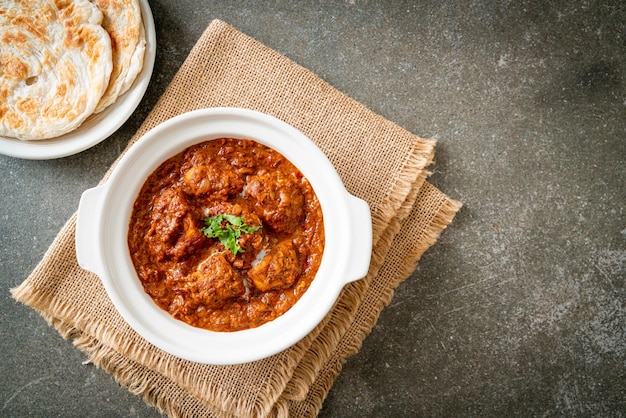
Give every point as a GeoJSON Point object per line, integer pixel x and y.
{"type": "Point", "coordinates": [228, 229]}
{"type": "Point", "coordinates": [235, 220]}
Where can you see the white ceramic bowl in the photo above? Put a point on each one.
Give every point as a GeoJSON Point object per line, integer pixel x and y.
{"type": "Point", "coordinates": [99, 126]}
{"type": "Point", "coordinates": [104, 213]}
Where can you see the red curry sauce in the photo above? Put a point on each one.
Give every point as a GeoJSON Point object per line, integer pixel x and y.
{"type": "Point", "coordinates": [198, 279]}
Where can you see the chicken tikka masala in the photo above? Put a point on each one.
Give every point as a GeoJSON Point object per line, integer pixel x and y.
{"type": "Point", "coordinates": [226, 235]}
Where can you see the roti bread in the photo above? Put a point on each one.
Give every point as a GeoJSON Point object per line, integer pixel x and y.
{"type": "Point", "coordinates": [122, 20]}
{"type": "Point", "coordinates": [55, 64]}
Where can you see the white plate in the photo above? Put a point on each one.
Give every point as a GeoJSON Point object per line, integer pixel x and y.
{"type": "Point", "coordinates": [99, 126]}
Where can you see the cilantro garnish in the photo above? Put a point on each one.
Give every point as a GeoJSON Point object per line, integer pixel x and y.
{"type": "Point", "coordinates": [228, 229]}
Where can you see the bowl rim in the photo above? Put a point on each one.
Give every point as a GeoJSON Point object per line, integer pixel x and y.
{"type": "Point", "coordinates": [99, 126]}
{"type": "Point", "coordinates": [174, 336]}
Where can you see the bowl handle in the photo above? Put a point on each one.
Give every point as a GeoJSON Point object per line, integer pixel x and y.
{"type": "Point", "coordinates": [361, 238]}
{"type": "Point", "coordinates": [87, 234]}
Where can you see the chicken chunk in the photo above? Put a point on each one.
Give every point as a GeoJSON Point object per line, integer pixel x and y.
{"type": "Point", "coordinates": [190, 239]}
{"type": "Point", "coordinates": [211, 179]}
{"type": "Point", "coordinates": [213, 284]}
{"type": "Point", "coordinates": [279, 200]}
{"type": "Point", "coordinates": [173, 231]}
{"type": "Point", "coordinates": [279, 269]}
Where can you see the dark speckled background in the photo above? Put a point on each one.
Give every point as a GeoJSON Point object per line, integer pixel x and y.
{"type": "Point", "coordinates": [518, 310]}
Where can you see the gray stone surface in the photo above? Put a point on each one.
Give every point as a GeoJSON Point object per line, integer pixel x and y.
{"type": "Point", "coordinates": [518, 310]}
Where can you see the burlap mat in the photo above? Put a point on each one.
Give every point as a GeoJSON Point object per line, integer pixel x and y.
{"type": "Point", "coordinates": [377, 160]}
